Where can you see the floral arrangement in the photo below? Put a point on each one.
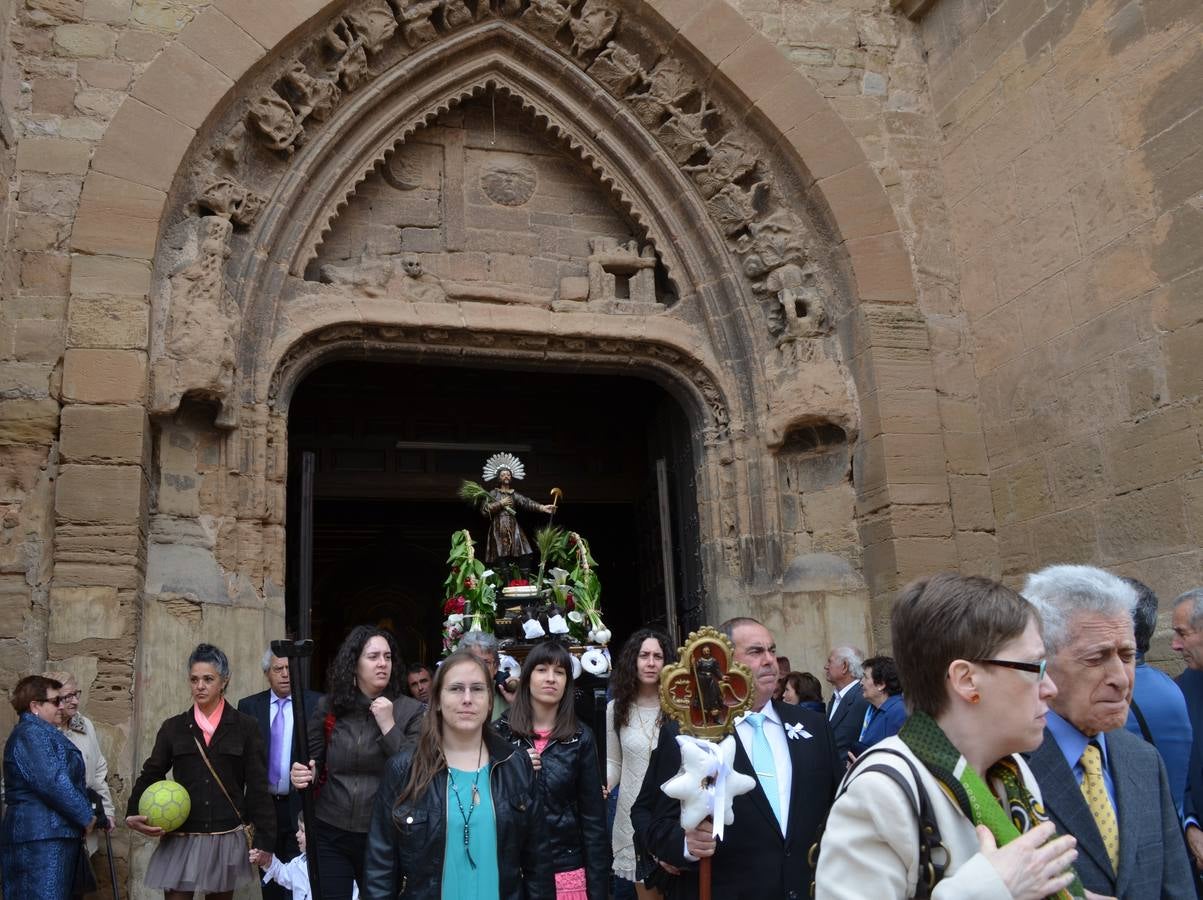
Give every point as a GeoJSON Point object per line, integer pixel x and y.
{"type": "Point", "coordinates": [470, 591]}
{"type": "Point", "coordinates": [568, 573]}
{"type": "Point", "coordinates": [576, 590]}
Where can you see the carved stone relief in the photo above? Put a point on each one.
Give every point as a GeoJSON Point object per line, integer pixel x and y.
{"type": "Point", "coordinates": [509, 184]}
{"type": "Point", "coordinates": [203, 327]}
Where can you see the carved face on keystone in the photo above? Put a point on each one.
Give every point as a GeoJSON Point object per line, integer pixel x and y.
{"type": "Point", "coordinates": [412, 265]}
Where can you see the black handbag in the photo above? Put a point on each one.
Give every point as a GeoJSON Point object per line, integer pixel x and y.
{"type": "Point", "coordinates": [84, 880]}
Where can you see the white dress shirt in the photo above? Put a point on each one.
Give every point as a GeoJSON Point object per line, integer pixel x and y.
{"type": "Point", "coordinates": [774, 732]}
{"type": "Point", "coordinates": [273, 709]}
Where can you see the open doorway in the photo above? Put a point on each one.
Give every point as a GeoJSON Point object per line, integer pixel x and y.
{"type": "Point", "coordinates": [392, 443]}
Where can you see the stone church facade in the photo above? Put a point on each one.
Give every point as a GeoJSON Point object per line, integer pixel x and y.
{"type": "Point", "coordinates": [922, 277]}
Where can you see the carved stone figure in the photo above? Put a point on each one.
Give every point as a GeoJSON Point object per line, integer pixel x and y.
{"type": "Point", "coordinates": [508, 183]}
{"type": "Point", "coordinates": [352, 58]}
{"type": "Point", "coordinates": [415, 21]}
{"type": "Point", "coordinates": [456, 13]}
{"type": "Point", "coordinates": [415, 284]}
{"type": "Point", "coordinates": [311, 95]}
{"type": "Point", "coordinates": [228, 198]}
{"type": "Point", "coordinates": [592, 27]}
{"type": "Point", "coordinates": [800, 309]}
{"type": "Point", "coordinates": [616, 69]}
{"type": "Point", "coordinates": [203, 325]}
{"type": "Point", "coordinates": [372, 24]}
{"type": "Point", "coordinates": [545, 18]}
{"type": "Point", "coordinates": [370, 275]}
{"type": "Point", "coordinates": [777, 238]}
{"type": "Point", "coordinates": [275, 121]}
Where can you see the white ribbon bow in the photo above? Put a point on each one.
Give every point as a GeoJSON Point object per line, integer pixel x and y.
{"type": "Point", "coordinates": [707, 782]}
{"type": "Point", "coordinates": [796, 731]}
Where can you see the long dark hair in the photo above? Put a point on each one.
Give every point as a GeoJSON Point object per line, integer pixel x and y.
{"type": "Point", "coordinates": [624, 683]}
{"type": "Point", "coordinates": [521, 715]}
{"type": "Point", "coordinates": [428, 759]}
{"type": "Point", "coordinates": [340, 679]}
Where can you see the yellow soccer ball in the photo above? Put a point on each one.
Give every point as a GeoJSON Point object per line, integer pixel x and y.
{"type": "Point", "coordinates": [165, 804]}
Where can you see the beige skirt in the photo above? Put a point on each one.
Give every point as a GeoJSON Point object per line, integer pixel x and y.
{"type": "Point", "coordinates": [209, 863]}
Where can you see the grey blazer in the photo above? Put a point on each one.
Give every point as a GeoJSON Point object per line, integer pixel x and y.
{"type": "Point", "coordinates": [1152, 854]}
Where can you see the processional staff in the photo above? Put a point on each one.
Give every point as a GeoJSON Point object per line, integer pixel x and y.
{"type": "Point", "coordinates": [705, 692]}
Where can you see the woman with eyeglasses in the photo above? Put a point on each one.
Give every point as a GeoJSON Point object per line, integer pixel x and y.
{"type": "Point", "coordinates": [46, 805]}
{"type": "Point", "coordinates": [542, 721]}
{"type": "Point", "coordinates": [458, 817]}
{"type": "Point", "coordinates": [80, 731]}
{"type": "Point", "coordinates": [970, 657]}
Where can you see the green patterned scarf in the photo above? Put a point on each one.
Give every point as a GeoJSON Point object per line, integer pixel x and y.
{"type": "Point", "coordinates": [972, 794]}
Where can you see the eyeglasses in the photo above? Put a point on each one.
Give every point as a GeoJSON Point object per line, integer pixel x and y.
{"type": "Point", "coordinates": [68, 697]}
{"type": "Point", "coordinates": [1037, 668]}
{"type": "Point", "coordinates": [57, 701]}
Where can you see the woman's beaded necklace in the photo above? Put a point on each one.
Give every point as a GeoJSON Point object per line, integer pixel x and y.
{"type": "Point", "coordinates": [475, 802]}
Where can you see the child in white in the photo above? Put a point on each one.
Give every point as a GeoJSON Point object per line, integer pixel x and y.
{"type": "Point", "coordinates": [293, 875]}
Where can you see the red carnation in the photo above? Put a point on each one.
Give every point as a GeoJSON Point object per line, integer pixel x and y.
{"type": "Point", "coordinates": [519, 582]}
{"type": "Point", "coordinates": [454, 605]}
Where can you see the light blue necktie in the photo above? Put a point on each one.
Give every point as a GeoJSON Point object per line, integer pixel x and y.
{"type": "Point", "coordinates": [764, 764]}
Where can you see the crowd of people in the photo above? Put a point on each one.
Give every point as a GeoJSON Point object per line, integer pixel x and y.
{"type": "Point", "coordinates": [1016, 745]}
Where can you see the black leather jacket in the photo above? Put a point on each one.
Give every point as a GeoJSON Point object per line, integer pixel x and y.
{"type": "Point", "coordinates": [406, 844]}
{"type": "Point", "coordinates": [574, 811]}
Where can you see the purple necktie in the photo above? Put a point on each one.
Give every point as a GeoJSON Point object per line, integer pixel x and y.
{"type": "Point", "coordinates": [273, 764]}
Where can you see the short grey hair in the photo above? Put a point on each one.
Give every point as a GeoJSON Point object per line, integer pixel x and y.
{"type": "Point", "coordinates": [854, 658]}
{"type": "Point", "coordinates": [267, 659]}
{"type": "Point", "coordinates": [484, 641]}
{"type": "Point", "coordinates": [1059, 592]}
{"type": "Point", "coordinates": [1194, 597]}
{"type": "Point", "coordinates": [207, 653]}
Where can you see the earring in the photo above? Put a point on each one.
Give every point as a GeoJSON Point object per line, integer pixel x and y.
{"type": "Point", "coordinates": [975, 697]}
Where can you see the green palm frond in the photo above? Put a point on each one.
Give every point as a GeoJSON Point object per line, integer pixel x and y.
{"type": "Point", "coordinates": [473, 493]}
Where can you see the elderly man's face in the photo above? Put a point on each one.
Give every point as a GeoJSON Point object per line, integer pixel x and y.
{"type": "Point", "coordinates": [1094, 672]}
{"type": "Point", "coordinates": [1188, 640]}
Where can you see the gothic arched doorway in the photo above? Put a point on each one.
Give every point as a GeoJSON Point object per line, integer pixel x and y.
{"type": "Point", "coordinates": [392, 442]}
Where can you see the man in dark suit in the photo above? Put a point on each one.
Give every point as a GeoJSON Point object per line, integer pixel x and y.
{"type": "Point", "coordinates": [272, 709]}
{"type": "Point", "coordinates": [763, 854]}
{"type": "Point", "coordinates": [1102, 784]}
{"type": "Point", "coordinates": [847, 707]}
{"type": "Point", "coordinates": [1188, 641]}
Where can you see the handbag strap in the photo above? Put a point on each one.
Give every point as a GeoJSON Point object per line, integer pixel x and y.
{"type": "Point", "coordinates": [933, 855]}
{"type": "Point", "coordinates": [217, 778]}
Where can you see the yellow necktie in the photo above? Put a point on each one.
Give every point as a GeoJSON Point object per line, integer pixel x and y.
{"type": "Point", "coordinates": [1094, 789]}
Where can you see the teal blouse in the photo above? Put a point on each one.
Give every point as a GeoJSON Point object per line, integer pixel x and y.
{"type": "Point", "coordinates": [462, 881]}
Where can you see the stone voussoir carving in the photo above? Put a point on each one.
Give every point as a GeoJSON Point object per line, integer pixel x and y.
{"type": "Point", "coordinates": [655, 85]}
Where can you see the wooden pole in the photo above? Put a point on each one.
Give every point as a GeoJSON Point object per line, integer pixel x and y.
{"type": "Point", "coordinates": [704, 878]}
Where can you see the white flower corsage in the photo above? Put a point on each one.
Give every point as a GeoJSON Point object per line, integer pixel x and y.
{"type": "Point", "coordinates": [796, 731]}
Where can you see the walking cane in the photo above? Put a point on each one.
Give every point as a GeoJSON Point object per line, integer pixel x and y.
{"type": "Point", "coordinates": [108, 843]}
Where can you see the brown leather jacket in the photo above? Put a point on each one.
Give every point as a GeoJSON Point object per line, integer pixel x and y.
{"type": "Point", "coordinates": [354, 756]}
{"type": "Point", "coordinates": [236, 754]}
